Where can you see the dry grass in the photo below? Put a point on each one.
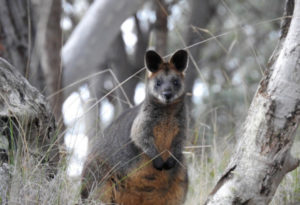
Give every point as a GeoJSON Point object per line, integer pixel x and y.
{"type": "Point", "coordinates": [205, 166]}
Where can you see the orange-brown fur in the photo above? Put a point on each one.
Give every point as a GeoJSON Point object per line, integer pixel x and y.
{"type": "Point", "coordinates": [163, 135]}
{"type": "Point", "coordinates": [146, 185]}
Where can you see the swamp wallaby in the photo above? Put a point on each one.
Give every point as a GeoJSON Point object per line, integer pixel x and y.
{"type": "Point", "coordinates": [139, 160]}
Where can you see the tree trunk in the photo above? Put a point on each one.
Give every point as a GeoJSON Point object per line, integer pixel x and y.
{"type": "Point", "coordinates": [86, 48]}
{"type": "Point", "coordinates": [122, 69]}
{"type": "Point", "coordinates": [27, 133]}
{"type": "Point", "coordinates": [161, 27]}
{"type": "Point", "coordinates": [35, 54]}
{"type": "Point", "coordinates": [262, 156]}
{"type": "Point", "coordinates": [201, 13]}
{"type": "Point", "coordinates": [16, 32]}
{"type": "Point", "coordinates": [49, 43]}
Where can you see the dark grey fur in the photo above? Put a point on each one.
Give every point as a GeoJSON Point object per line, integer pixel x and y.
{"type": "Point", "coordinates": [123, 142]}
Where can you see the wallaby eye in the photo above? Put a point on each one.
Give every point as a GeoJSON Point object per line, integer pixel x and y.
{"type": "Point", "coordinates": [158, 82]}
{"type": "Point", "coordinates": [176, 82]}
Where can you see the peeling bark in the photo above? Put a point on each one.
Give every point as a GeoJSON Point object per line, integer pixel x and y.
{"type": "Point", "coordinates": [27, 129]}
{"type": "Point", "coordinates": [262, 157]}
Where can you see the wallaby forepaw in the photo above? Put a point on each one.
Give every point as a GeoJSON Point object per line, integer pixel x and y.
{"type": "Point", "coordinates": [158, 163]}
{"type": "Point", "coordinates": [170, 163]}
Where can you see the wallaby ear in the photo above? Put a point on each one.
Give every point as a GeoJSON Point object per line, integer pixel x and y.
{"type": "Point", "coordinates": [152, 61]}
{"type": "Point", "coordinates": [180, 60]}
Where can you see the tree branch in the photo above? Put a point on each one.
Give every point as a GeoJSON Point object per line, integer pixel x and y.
{"type": "Point", "coordinates": [86, 48]}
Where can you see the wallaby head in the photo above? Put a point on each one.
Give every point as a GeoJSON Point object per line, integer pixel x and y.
{"type": "Point", "coordinates": [165, 81]}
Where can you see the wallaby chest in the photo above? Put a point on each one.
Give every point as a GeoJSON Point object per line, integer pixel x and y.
{"type": "Point", "coordinates": [162, 124]}
{"type": "Point", "coordinates": [164, 132]}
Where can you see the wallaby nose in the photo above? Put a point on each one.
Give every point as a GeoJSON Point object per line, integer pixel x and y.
{"type": "Point", "coordinates": [167, 94]}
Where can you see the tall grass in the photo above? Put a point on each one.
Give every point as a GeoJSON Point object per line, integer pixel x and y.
{"type": "Point", "coordinates": [205, 166]}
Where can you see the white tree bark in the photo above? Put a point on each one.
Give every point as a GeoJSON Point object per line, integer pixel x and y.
{"type": "Point", "coordinates": [262, 156]}
{"type": "Point", "coordinates": [90, 40]}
